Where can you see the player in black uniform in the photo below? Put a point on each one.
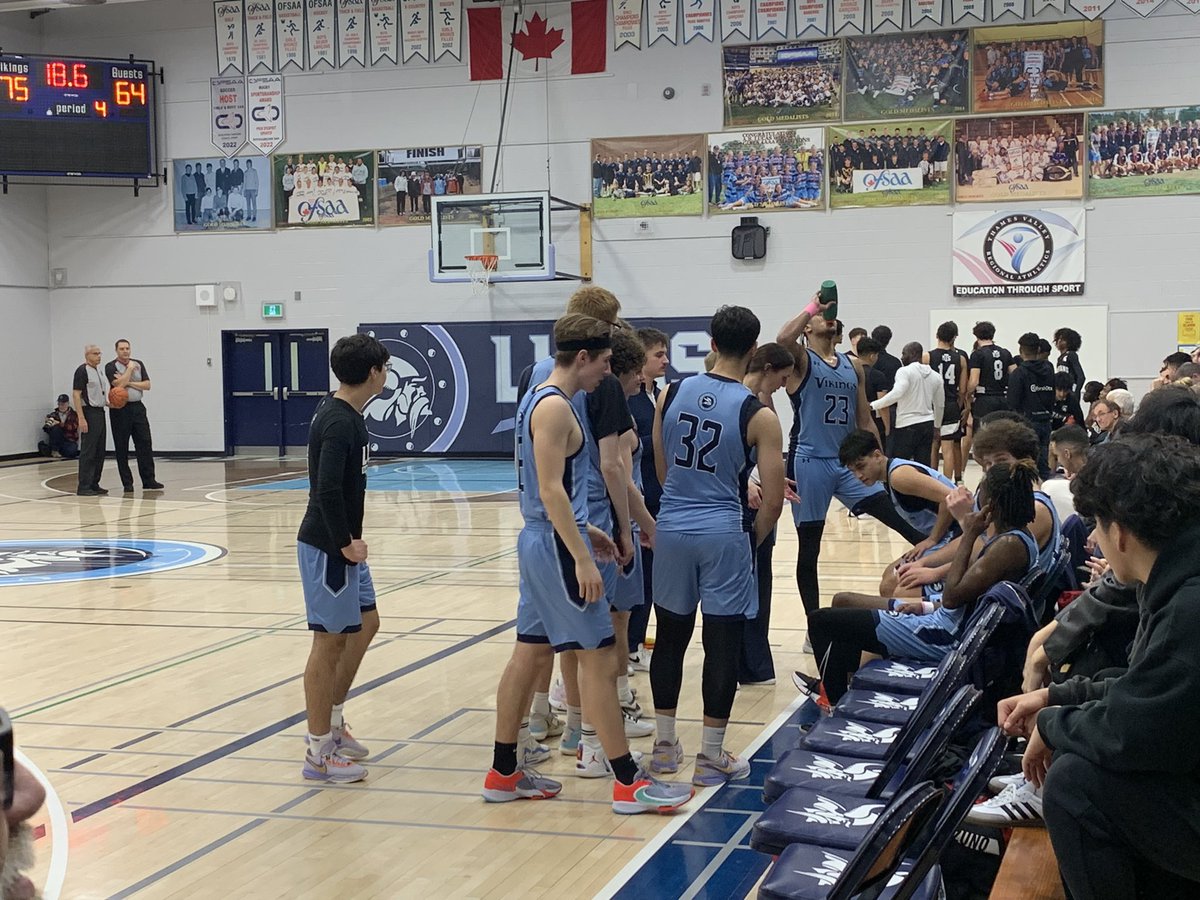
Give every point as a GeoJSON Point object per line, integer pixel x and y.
{"type": "Point", "coordinates": [1031, 393]}
{"type": "Point", "coordinates": [1068, 342]}
{"type": "Point", "coordinates": [989, 366]}
{"type": "Point", "coordinates": [951, 364]}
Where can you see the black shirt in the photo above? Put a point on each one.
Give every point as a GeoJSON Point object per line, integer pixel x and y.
{"type": "Point", "coordinates": [889, 366]}
{"type": "Point", "coordinates": [1067, 412]}
{"type": "Point", "coordinates": [992, 361]}
{"type": "Point", "coordinates": [641, 406]}
{"type": "Point", "coordinates": [1069, 362]}
{"type": "Point", "coordinates": [337, 474]}
{"type": "Point", "coordinates": [945, 363]}
{"type": "Point", "coordinates": [1031, 391]}
{"type": "Point", "coordinates": [608, 412]}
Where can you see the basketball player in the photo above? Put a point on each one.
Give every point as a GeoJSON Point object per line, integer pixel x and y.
{"type": "Point", "coordinates": [829, 400]}
{"type": "Point", "coordinates": [561, 590]}
{"type": "Point", "coordinates": [339, 595]}
{"type": "Point", "coordinates": [987, 385]}
{"type": "Point", "coordinates": [708, 431]}
{"type": "Point", "coordinates": [951, 363]}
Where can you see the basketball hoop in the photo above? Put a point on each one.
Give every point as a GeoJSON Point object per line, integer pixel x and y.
{"type": "Point", "coordinates": [480, 267]}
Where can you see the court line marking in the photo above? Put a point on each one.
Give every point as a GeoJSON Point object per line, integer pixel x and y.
{"type": "Point", "coordinates": [275, 728]}
{"type": "Point", "coordinates": [664, 836]}
{"type": "Point", "coordinates": [59, 826]}
{"type": "Point", "coordinates": [700, 881]}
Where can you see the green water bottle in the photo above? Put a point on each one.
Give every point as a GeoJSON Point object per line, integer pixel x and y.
{"type": "Point", "coordinates": [829, 295]}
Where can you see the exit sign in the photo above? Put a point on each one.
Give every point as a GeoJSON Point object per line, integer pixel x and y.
{"type": "Point", "coordinates": [272, 310]}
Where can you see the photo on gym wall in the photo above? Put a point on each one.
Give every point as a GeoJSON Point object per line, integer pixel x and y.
{"type": "Point", "coordinates": [766, 171]}
{"type": "Point", "coordinates": [409, 179]}
{"type": "Point", "coordinates": [217, 193]}
{"type": "Point", "coordinates": [1019, 158]}
{"type": "Point", "coordinates": [324, 189]}
{"type": "Point", "coordinates": [1144, 152]}
{"type": "Point", "coordinates": [780, 84]}
{"type": "Point", "coordinates": [1026, 68]}
{"type": "Point", "coordinates": [648, 176]}
{"type": "Point", "coordinates": [903, 76]}
{"type": "Point", "coordinates": [890, 163]}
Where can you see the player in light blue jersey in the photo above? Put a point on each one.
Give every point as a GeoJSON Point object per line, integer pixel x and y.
{"type": "Point", "coordinates": [708, 431]}
{"type": "Point", "coordinates": [561, 588]}
{"type": "Point", "coordinates": [829, 401]}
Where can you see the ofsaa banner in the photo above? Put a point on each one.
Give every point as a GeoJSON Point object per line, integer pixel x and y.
{"type": "Point", "coordinates": [1030, 253]}
{"type": "Point", "coordinates": [435, 403]}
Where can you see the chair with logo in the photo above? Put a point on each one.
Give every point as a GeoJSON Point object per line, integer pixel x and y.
{"type": "Point", "coordinates": [873, 779]}
{"type": "Point", "coordinates": [831, 873]}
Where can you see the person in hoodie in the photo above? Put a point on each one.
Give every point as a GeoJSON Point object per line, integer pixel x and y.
{"type": "Point", "coordinates": [1031, 393]}
{"type": "Point", "coordinates": [1118, 759]}
{"type": "Point", "coordinates": [920, 401]}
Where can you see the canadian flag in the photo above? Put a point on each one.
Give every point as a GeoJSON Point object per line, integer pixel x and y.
{"type": "Point", "coordinates": [548, 39]}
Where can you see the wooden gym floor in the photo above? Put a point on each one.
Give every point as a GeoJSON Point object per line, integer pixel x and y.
{"type": "Point", "coordinates": [166, 708]}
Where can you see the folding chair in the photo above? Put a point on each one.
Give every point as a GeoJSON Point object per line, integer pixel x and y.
{"type": "Point", "coordinates": [7, 762]}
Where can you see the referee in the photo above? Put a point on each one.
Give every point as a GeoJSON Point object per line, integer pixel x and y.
{"type": "Point", "coordinates": [90, 396]}
{"type": "Point", "coordinates": [130, 420]}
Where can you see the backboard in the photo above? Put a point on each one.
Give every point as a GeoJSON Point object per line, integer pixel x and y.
{"type": "Point", "coordinates": [513, 227]}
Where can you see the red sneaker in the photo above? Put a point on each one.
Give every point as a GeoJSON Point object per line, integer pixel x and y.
{"type": "Point", "coordinates": [523, 784]}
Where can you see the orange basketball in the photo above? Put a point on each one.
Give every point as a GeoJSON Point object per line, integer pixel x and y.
{"type": "Point", "coordinates": [118, 397]}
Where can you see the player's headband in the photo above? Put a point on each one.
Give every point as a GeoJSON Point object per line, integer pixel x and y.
{"type": "Point", "coordinates": [592, 343]}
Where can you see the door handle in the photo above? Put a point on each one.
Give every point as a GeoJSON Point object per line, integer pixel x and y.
{"type": "Point", "coordinates": [285, 393]}
{"type": "Point", "coordinates": [252, 394]}
{"type": "Point", "coordinates": [275, 393]}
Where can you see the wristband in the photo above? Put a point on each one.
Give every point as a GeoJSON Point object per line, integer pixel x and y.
{"type": "Point", "coordinates": [813, 308]}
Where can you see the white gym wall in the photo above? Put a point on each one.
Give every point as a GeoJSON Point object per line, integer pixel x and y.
{"type": "Point", "coordinates": [129, 275]}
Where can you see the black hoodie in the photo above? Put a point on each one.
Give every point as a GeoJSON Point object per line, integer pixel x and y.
{"type": "Point", "coordinates": [1147, 720]}
{"type": "Point", "coordinates": [1031, 390]}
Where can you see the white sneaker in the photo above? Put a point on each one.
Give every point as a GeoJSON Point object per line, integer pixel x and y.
{"type": "Point", "coordinates": [558, 696]}
{"type": "Point", "coordinates": [543, 727]}
{"type": "Point", "coordinates": [636, 727]}
{"type": "Point", "coordinates": [1016, 806]}
{"type": "Point", "coordinates": [641, 659]}
{"type": "Point", "coordinates": [590, 762]}
{"type": "Point", "coordinates": [532, 753]}
{"type": "Point", "coordinates": [1000, 782]}
{"type": "Point", "coordinates": [807, 648]}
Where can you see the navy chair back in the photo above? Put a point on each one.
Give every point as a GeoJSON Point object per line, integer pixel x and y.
{"type": "Point", "coordinates": [932, 743]}
{"type": "Point", "coordinates": [7, 763]}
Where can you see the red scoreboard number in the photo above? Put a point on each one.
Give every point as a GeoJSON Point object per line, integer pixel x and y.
{"type": "Point", "coordinates": [74, 76]}
{"type": "Point", "coordinates": [57, 75]}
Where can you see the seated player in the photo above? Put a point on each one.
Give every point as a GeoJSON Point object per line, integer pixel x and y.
{"type": "Point", "coordinates": [996, 546]}
{"type": "Point", "coordinates": [1120, 163]}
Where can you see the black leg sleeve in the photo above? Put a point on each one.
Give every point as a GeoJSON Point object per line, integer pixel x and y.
{"type": "Point", "coordinates": [879, 507]}
{"type": "Point", "coordinates": [722, 638]}
{"type": "Point", "coordinates": [806, 564]}
{"type": "Point", "coordinates": [839, 637]}
{"type": "Point", "coordinates": [671, 640]}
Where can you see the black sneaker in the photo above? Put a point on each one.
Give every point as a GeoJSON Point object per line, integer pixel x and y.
{"type": "Point", "coordinates": [100, 490]}
{"type": "Point", "coordinates": [153, 486]}
{"type": "Point", "coordinates": [807, 685]}
{"type": "Point", "coordinates": [127, 488]}
{"type": "Point", "coordinates": [87, 492]}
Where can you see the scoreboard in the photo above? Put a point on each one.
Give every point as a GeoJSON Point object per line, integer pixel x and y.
{"type": "Point", "coordinates": [72, 116]}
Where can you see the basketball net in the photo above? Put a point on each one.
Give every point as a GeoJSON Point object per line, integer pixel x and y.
{"type": "Point", "coordinates": [480, 267]}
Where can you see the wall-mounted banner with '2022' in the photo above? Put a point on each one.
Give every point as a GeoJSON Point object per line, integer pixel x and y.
{"type": "Point", "coordinates": [1031, 253]}
{"type": "Point", "coordinates": [433, 402]}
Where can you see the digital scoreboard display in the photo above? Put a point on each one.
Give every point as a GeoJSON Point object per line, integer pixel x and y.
{"type": "Point", "coordinates": [84, 117]}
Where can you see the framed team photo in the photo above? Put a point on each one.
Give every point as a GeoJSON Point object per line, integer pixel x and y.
{"type": "Point", "coordinates": [326, 189]}
{"type": "Point", "coordinates": [409, 179]}
{"type": "Point", "coordinates": [890, 163]}
{"type": "Point", "coordinates": [766, 171]}
{"type": "Point", "coordinates": [648, 176]}
{"type": "Point", "coordinates": [1019, 158]}
{"type": "Point", "coordinates": [778, 84]}
{"type": "Point", "coordinates": [902, 76]}
{"type": "Point", "coordinates": [217, 193]}
{"type": "Point", "coordinates": [1144, 152]}
{"type": "Point", "coordinates": [1023, 68]}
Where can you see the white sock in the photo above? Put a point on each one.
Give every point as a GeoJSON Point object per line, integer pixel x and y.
{"type": "Point", "coordinates": [590, 739]}
{"type": "Point", "coordinates": [523, 736]}
{"type": "Point", "coordinates": [541, 704]}
{"type": "Point", "coordinates": [623, 688]}
{"type": "Point", "coordinates": [318, 742]}
{"type": "Point", "coordinates": [335, 718]}
{"type": "Point", "coordinates": [574, 718]}
{"type": "Point", "coordinates": [711, 741]}
{"type": "Point", "coordinates": [664, 727]}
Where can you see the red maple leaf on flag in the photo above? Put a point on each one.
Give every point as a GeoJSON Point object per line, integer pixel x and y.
{"type": "Point", "coordinates": [536, 41]}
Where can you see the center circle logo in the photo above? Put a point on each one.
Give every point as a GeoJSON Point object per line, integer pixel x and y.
{"type": "Point", "coordinates": [50, 561]}
{"type": "Point", "coordinates": [423, 403]}
{"type": "Point", "coordinates": [707, 402]}
{"type": "Point", "coordinates": [1018, 247]}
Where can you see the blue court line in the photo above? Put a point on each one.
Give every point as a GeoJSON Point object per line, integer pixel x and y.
{"type": "Point", "coordinates": [168, 775]}
{"type": "Point", "coordinates": [85, 761]}
{"type": "Point", "coordinates": [449, 476]}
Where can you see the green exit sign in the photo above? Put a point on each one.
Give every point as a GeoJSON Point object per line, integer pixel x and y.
{"type": "Point", "coordinates": [272, 310]}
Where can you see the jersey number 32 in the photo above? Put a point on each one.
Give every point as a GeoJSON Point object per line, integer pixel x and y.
{"type": "Point", "coordinates": [690, 458]}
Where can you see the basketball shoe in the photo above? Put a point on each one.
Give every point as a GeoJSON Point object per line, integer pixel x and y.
{"type": "Point", "coordinates": [590, 762]}
{"type": "Point", "coordinates": [547, 726]}
{"type": "Point", "coordinates": [346, 745]}
{"type": "Point", "coordinates": [723, 769]}
{"type": "Point", "coordinates": [648, 794]}
{"type": "Point", "coordinates": [524, 784]}
{"type": "Point", "coordinates": [666, 757]}
{"type": "Point", "coordinates": [332, 767]}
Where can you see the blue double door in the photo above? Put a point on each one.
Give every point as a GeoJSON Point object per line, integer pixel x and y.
{"type": "Point", "coordinates": [273, 383]}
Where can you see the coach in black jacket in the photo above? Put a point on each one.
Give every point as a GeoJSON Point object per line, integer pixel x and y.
{"type": "Point", "coordinates": [1121, 772]}
{"type": "Point", "coordinates": [1031, 393]}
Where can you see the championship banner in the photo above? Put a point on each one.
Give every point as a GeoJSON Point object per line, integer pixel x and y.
{"type": "Point", "coordinates": [1091, 9]}
{"type": "Point", "coordinates": [735, 19]}
{"type": "Point", "coordinates": [415, 29]}
{"type": "Point", "coordinates": [919, 10]}
{"type": "Point", "coordinates": [320, 33]}
{"type": "Point", "coordinates": [231, 34]}
{"type": "Point", "coordinates": [1056, 5]}
{"type": "Point", "coordinates": [289, 34]}
{"type": "Point", "coordinates": [1143, 7]}
{"type": "Point", "coordinates": [352, 32]}
{"type": "Point", "coordinates": [664, 19]}
{"type": "Point", "coordinates": [434, 402]}
{"type": "Point", "coordinates": [851, 14]}
{"type": "Point", "coordinates": [960, 9]}
{"type": "Point", "coordinates": [1032, 253]}
{"type": "Point", "coordinates": [227, 107]}
{"type": "Point", "coordinates": [314, 190]}
{"type": "Point", "coordinates": [1001, 8]}
{"type": "Point", "coordinates": [260, 36]}
{"type": "Point", "coordinates": [886, 11]}
{"type": "Point", "coordinates": [264, 112]}
{"type": "Point", "coordinates": [699, 18]}
{"type": "Point", "coordinates": [447, 29]}
{"type": "Point", "coordinates": [627, 23]}
{"type": "Point", "coordinates": [770, 15]}
{"type": "Point", "coordinates": [382, 16]}
{"type": "Point", "coordinates": [812, 14]}
{"type": "Point", "coordinates": [1192, 6]}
